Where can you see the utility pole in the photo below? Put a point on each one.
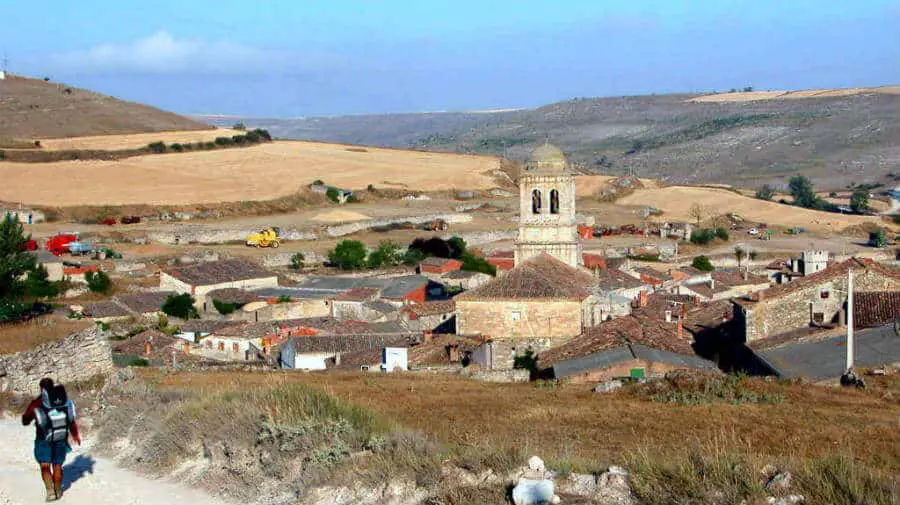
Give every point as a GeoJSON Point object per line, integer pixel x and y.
{"type": "Point", "coordinates": [850, 321]}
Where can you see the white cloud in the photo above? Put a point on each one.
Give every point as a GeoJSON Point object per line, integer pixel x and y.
{"type": "Point", "coordinates": [162, 53]}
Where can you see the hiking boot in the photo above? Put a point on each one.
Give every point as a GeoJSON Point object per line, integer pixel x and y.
{"type": "Point", "coordinates": [51, 495]}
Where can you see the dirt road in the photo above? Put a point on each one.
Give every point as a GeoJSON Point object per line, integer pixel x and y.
{"type": "Point", "coordinates": [89, 480]}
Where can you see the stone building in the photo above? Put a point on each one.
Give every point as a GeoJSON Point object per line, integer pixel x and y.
{"type": "Point", "coordinates": [198, 280]}
{"type": "Point", "coordinates": [541, 298]}
{"type": "Point", "coordinates": [816, 299]}
{"type": "Point", "coordinates": [547, 221]}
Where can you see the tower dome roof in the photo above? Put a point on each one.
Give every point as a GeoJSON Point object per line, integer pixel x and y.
{"type": "Point", "coordinates": [547, 158]}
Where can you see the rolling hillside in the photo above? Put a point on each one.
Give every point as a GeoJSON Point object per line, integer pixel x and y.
{"type": "Point", "coordinates": [32, 109]}
{"type": "Point", "coordinates": [836, 137]}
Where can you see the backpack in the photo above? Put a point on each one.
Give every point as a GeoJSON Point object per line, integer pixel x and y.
{"type": "Point", "coordinates": [55, 415]}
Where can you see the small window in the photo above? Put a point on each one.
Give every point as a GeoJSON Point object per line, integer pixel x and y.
{"type": "Point", "coordinates": [515, 315]}
{"type": "Point", "coordinates": [554, 201]}
{"type": "Point", "coordinates": [235, 348]}
{"type": "Point", "coordinates": [819, 318]}
{"type": "Point", "coordinates": [824, 294]}
{"type": "Point", "coordinates": [536, 201]}
{"type": "Point", "coordinates": [221, 346]}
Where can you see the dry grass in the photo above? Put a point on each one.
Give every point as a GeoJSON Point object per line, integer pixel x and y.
{"type": "Point", "coordinates": [261, 172]}
{"type": "Point", "coordinates": [17, 337]}
{"type": "Point", "coordinates": [571, 424]}
{"type": "Point", "coordinates": [134, 140]}
{"type": "Point", "coordinates": [676, 202]}
{"type": "Point", "coordinates": [751, 96]}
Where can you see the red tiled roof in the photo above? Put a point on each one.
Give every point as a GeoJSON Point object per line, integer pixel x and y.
{"type": "Point", "coordinates": [232, 295]}
{"type": "Point", "coordinates": [431, 308]}
{"type": "Point", "coordinates": [871, 309]}
{"type": "Point", "coordinates": [541, 277]}
{"type": "Point", "coordinates": [440, 262]}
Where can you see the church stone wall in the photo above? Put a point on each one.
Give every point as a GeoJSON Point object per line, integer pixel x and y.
{"type": "Point", "coordinates": [519, 319]}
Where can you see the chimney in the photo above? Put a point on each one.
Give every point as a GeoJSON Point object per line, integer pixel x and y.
{"type": "Point", "coordinates": [684, 310]}
{"type": "Point", "coordinates": [668, 316]}
{"type": "Point", "coordinates": [679, 329]}
{"type": "Point", "coordinates": [746, 272]}
{"type": "Point", "coordinates": [642, 299]}
{"type": "Point", "coordinates": [147, 348]}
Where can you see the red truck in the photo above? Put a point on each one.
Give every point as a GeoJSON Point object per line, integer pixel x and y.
{"type": "Point", "coordinates": [59, 243]}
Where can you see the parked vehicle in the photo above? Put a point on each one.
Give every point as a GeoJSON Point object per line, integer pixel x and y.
{"type": "Point", "coordinates": [753, 231]}
{"type": "Point", "coordinates": [80, 248]}
{"type": "Point", "coordinates": [270, 237]}
{"type": "Point", "coordinates": [59, 243]}
{"type": "Point", "coordinates": [130, 219]}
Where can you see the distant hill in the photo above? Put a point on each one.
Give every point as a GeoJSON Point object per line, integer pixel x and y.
{"type": "Point", "coordinates": [32, 109]}
{"type": "Point", "coordinates": [836, 137]}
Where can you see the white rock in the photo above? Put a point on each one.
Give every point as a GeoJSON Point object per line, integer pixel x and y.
{"type": "Point", "coordinates": [537, 464]}
{"type": "Point", "coordinates": [608, 386]}
{"type": "Point", "coordinates": [555, 500]}
{"type": "Point", "coordinates": [579, 484]}
{"type": "Point", "coordinates": [791, 499]}
{"type": "Point", "coordinates": [533, 492]}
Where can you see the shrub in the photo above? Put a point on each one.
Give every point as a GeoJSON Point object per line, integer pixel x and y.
{"type": "Point", "coordinates": [332, 194]}
{"type": "Point", "coordinates": [802, 190]}
{"type": "Point", "coordinates": [224, 308]}
{"type": "Point", "coordinates": [318, 182]}
{"type": "Point", "coordinates": [37, 284]}
{"type": "Point", "coordinates": [297, 261]}
{"type": "Point", "coordinates": [252, 137]}
{"type": "Point", "coordinates": [239, 139]}
{"type": "Point", "coordinates": [877, 238]}
{"type": "Point", "coordinates": [440, 248]}
{"type": "Point", "coordinates": [180, 306]}
{"type": "Point", "coordinates": [157, 147]}
{"type": "Point", "coordinates": [98, 282]}
{"type": "Point", "coordinates": [703, 263]}
{"type": "Point", "coordinates": [703, 236]}
{"type": "Point", "coordinates": [264, 134]}
{"type": "Point", "coordinates": [387, 254]}
{"type": "Point", "coordinates": [209, 145]}
{"type": "Point", "coordinates": [37, 143]}
{"type": "Point", "coordinates": [457, 247]}
{"type": "Point", "coordinates": [224, 141]}
{"type": "Point", "coordinates": [370, 188]}
{"type": "Point", "coordinates": [283, 299]}
{"type": "Point", "coordinates": [348, 255]}
{"type": "Point", "coordinates": [859, 202]}
{"type": "Point", "coordinates": [474, 263]}
{"type": "Point", "coordinates": [139, 362]}
{"type": "Point", "coordinates": [722, 233]}
{"type": "Point", "coordinates": [413, 257]}
{"type": "Point", "coordinates": [765, 192]}
{"type": "Point", "coordinates": [239, 126]}
{"type": "Point", "coordinates": [177, 147]}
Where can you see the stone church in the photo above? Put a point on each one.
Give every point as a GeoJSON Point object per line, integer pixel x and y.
{"type": "Point", "coordinates": [547, 209]}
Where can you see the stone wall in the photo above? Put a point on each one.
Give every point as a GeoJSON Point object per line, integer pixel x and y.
{"type": "Point", "coordinates": [652, 369]}
{"type": "Point", "coordinates": [198, 234]}
{"type": "Point", "coordinates": [519, 318]}
{"type": "Point", "coordinates": [799, 308]}
{"type": "Point", "coordinates": [281, 311]}
{"type": "Point", "coordinates": [340, 230]}
{"type": "Point", "coordinates": [501, 354]}
{"type": "Point", "coordinates": [78, 357]}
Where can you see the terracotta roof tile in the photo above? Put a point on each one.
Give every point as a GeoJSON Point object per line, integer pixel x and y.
{"type": "Point", "coordinates": [871, 309]}
{"type": "Point", "coordinates": [216, 272]}
{"type": "Point", "coordinates": [431, 308]}
{"type": "Point", "coordinates": [232, 295]}
{"type": "Point", "coordinates": [832, 271]}
{"type": "Point", "coordinates": [358, 295]}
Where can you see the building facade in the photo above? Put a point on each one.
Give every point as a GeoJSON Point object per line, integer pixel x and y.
{"type": "Point", "coordinates": [547, 223]}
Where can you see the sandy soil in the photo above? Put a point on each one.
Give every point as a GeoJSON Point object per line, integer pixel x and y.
{"type": "Point", "coordinates": [588, 185]}
{"type": "Point", "coordinates": [339, 216]}
{"type": "Point", "coordinates": [676, 202]}
{"type": "Point", "coordinates": [87, 479]}
{"type": "Point", "coordinates": [750, 96]}
{"type": "Point", "coordinates": [253, 173]}
{"type": "Point", "coordinates": [134, 140]}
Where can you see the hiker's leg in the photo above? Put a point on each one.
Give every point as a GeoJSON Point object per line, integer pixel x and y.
{"type": "Point", "coordinates": [46, 476]}
{"type": "Point", "coordinates": [57, 479]}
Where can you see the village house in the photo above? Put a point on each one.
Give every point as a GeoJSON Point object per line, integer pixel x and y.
{"type": "Point", "coordinates": [660, 336]}
{"type": "Point", "coordinates": [817, 299]}
{"type": "Point", "coordinates": [824, 359]}
{"type": "Point", "coordinates": [24, 216]}
{"type": "Point", "coordinates": [53, 264]}
{"type": "Point", "coordinates": [350, 345]}
{"type": "Point", "coordinates": [464, 280]}
{"type": "Point", "coordinates": [436, 316]}
{"type": "Point", "coordinates": [199, 280]}
{"type": "Point", "coordinates": [362, 304]}
{"type": "Point", "coordinates": [809, 262]}
{"type": "Point", "coordinates": [676, 230]}
{"type": "Point", "coordinates": [724, 284]}
{"type": "Point", "coordinates": [144, 305]}
{"type": "Point", "coordinates": [433, 268]}
{"type": "Point", "coordinates": [397, 290]}
{"type": "Point", "coordinates": [240, 341]}
{"type": "Point", "coordinates": [541, 298]}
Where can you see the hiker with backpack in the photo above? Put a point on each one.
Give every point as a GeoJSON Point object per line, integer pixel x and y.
{"type": "Point", "coordinates": [54, 420]}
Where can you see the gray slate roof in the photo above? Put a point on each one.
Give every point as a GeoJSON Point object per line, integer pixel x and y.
{"type": "Point", "coordinates": [217, 272]}
{"type": "Point", "coordinates": [826, 359]}
{"type": "Point", "coordinates": [628, 352]}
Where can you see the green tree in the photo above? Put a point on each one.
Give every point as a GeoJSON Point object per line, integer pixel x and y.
{"type": "Point", "coordinates": [413, 257]}
{"type": "Point", "coordinates": [239, 126]}
{"type": "Point", "coordinates": [180, 306]}
{"type": "Point", "coordinates": [15, 261]}
{"type": "Point", "coordinates": [387, 254]}
{"type": "Point", "coordinates": [802, 190]}
{"type": "Point", "coordinates": [859, 202]}
{"type": "Point", "coordinates": [38, 285]}
{"type": "Point", "coordinates": [702, 263]}
{"type": "Point", "coordinates": [224, 308]}
{"type": "Point", "coordinates": [722, 233]}
{"type": "Point", "coordinates": [297, 261]}
{"type": "Point", "coordinates": [98, 282]}
{"type": "Point", "coordinates": [348, 255]}
{"type": "Point", "coordinates": [332, 194]}
{"type": "Point", "coordinates": [472, 263]}
{"type": "Point", "coordinates": [765, 192]}
{"type": "Point", "coordinates": [457, 247]}
{"type": "Point", "coordinates": [877, 238]}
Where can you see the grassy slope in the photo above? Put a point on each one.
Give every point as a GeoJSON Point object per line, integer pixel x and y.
{"type": "Point", "coordinates": [835, 140]}
{"type": "Point", "coordinates": [677, 451]}
{"type": "Point", "coordinates": [32, 108]}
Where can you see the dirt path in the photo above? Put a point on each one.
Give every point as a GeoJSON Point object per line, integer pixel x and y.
{"type": "Point", "coordinates": [89, 480]}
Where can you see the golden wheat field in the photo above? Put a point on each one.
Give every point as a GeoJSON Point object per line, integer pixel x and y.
{"type": "Point", "coordinates": [134, 140]}
{"type": "Point", "coordinates": [750, 96]}
{"type": "Point", "coordinates": [260, 172]}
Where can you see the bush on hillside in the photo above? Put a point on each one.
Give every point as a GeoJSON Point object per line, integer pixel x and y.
{"type": "Point", "coordinates": [157, 147]}
{"type": "Point", "coordinates": [722, 233]}
{"type": "Point", "coordinates": [297, 261]}
{"type": "Point", "coordinates": [98, 282]}
{"type": "Point", "coordinates": [765, 192]}
{"type": "Point", "coordinates": [702, 263]}
{"type": "Point", "coordinates": [472, 263]}
{"type": "Point", "coordinates": [703, 236]}
{"type": "Point", "coordinates": [180, 306]}
{"type": "Point", "coordinates": [387, 254]}
{"type": "Point", "coordinates": [224, 308]}
{"type": "Point", "coordinates": [348, 255]}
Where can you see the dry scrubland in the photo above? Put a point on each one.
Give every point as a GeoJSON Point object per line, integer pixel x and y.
{"type": "Point", "coordinates": [260, 172]}
{"type": "Point", "coordinates": [676, 202]}
{"type": "Point", "coordinates": [24, 336]}
{"type": "Point", "coordinates": [134, 140]}
{"type": "Point", "coordinates": [841, 445]}
{"type": "Point", "coordinates": [750, 96]}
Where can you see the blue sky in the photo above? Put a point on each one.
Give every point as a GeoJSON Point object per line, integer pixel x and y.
{"type": "Point", "coordinates": [278, 58]}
